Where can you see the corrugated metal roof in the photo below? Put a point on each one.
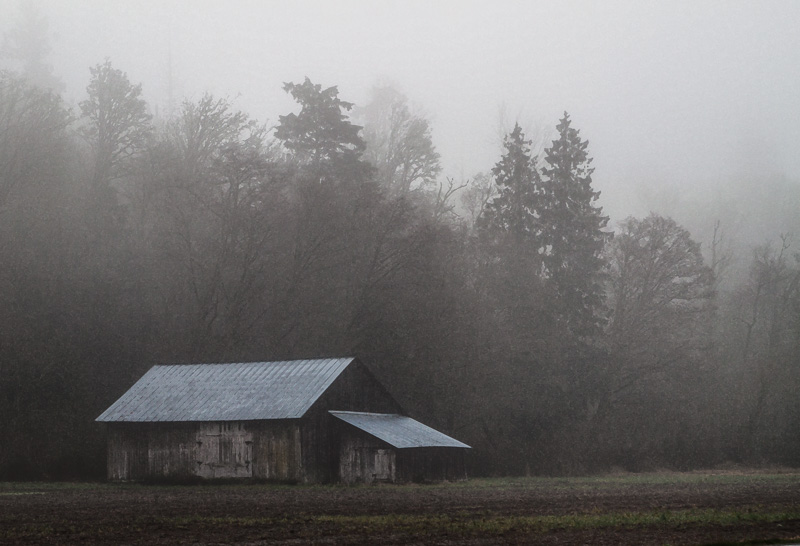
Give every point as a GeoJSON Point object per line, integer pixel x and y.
{"type": "Point", "coordinates": [226, 392]}
{"type": "Point", "coordinates": [397, 430]}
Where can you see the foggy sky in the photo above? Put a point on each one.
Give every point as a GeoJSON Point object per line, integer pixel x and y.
{"type": "Point", "coordinates": [678, 99]}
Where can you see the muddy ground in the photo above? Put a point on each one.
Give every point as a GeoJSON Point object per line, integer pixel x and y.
{"type": "Point", "coordinates": [630, 509]}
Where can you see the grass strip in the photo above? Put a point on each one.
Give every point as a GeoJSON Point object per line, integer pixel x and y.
{"type": "Point", "coordinates": [466, 524]}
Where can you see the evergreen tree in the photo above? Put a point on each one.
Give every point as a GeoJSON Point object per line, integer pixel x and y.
{"type": "Point", "coordinates": [321, 132]}
{"type": "Point", "coordinates": [572, 231]}
{"type": "Point", "coordinates": [515, 211]}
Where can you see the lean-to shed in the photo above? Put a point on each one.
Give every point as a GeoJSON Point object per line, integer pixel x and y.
{"type": "Point", "coordinates": [387, 447]}
{"type": "Point", "coordinates": [302, 421]}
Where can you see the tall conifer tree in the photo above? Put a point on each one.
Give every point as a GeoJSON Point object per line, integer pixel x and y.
{"type": "Point", "coordinates": [572, 231]}
{"type": "Point", "coordinates": [514, 212]}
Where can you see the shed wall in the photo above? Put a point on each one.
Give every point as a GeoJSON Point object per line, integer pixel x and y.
{"type": "Point", "coordinates": [365, 459]}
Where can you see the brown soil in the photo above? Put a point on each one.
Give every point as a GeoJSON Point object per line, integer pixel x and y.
{"type": "Point", "coordinates": [264, 514]}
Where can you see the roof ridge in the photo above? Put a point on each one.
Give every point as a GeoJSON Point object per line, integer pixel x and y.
{"type": "Point", "coordinates": [293, 361]}
{"type": "Point", "coordinates": [367, 413]}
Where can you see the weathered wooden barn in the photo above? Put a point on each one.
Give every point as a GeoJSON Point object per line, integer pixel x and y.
{"type": "Point", "coordinates": [304, 421]}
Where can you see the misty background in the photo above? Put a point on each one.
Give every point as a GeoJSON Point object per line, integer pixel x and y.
{"type": "Point", "coordinates": [692, 120]}
{"type": "Point", "coordinates": [686, 104]}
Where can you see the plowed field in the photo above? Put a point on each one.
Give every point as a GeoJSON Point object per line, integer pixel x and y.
{"type": "Point", "coordinates": [701, 508]}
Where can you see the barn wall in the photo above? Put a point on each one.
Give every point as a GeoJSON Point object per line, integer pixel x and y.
{"type": "Point", "coordinates": [127, 453]}
{"type": "Point", "coordinates": [232, 449]}
{"type": "Point", "coordinates": [354, 390]}
{"type": "Point", "coordinates": [277, 453]}
{"type": "Point", "coordinates": [138, 451]}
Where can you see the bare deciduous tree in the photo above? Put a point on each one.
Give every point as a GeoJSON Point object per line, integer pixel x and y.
{"type": "Point", "coordinates": [399, 143]}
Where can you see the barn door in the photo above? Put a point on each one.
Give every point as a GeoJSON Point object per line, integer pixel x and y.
{"type": "Point", "coordinates": [224, 450]}
{"type": "Point", "coordinates": [383, 465]}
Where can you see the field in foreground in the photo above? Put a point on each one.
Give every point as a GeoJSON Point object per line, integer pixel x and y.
{"type": "Point", "coordinates": [697, 508]}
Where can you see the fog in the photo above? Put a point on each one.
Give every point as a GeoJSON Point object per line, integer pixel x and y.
{"type": "Point", "coordinates": [181, 182]}
{"type": "Point", "coordinates": [679, 100]}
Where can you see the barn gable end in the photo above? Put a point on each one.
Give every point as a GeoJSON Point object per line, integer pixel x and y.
{"type": "Point", "coordinates": [354, 389]}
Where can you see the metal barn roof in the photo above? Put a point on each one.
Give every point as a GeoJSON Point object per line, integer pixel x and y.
{"type": "Point", "coordinates": [397, 430]}
{"type": "Point", "coordinates": [226, 392]}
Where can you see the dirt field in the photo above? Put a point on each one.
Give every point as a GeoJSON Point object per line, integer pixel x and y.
{"type": "Point", "coordinates": [628, 509]}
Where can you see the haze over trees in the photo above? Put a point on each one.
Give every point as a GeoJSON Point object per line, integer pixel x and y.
{"type": "Point", "coordinates": [526, 326]}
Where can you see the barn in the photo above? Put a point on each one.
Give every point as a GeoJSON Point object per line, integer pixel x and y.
{"type": "Point", "coordinates": [306, 421]}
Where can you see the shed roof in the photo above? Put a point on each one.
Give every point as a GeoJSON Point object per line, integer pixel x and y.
{"type": "Point", "coordinates": [226, 392]}
{"type": "Point", "coordinates": [397, 430]}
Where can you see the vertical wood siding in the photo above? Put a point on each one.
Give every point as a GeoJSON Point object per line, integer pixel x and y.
{"type": "Point", "coordinates": [231, 449]}
{"type": "Point", "coordinates": [277, 451]}
{"type": "Point", "coordinates": [364, 459]}
{"type": "Point", "coordinates": [138, 451]}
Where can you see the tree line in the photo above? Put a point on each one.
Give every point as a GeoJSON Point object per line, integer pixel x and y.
{"type": "Point", "coordinates": [504, 310]}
